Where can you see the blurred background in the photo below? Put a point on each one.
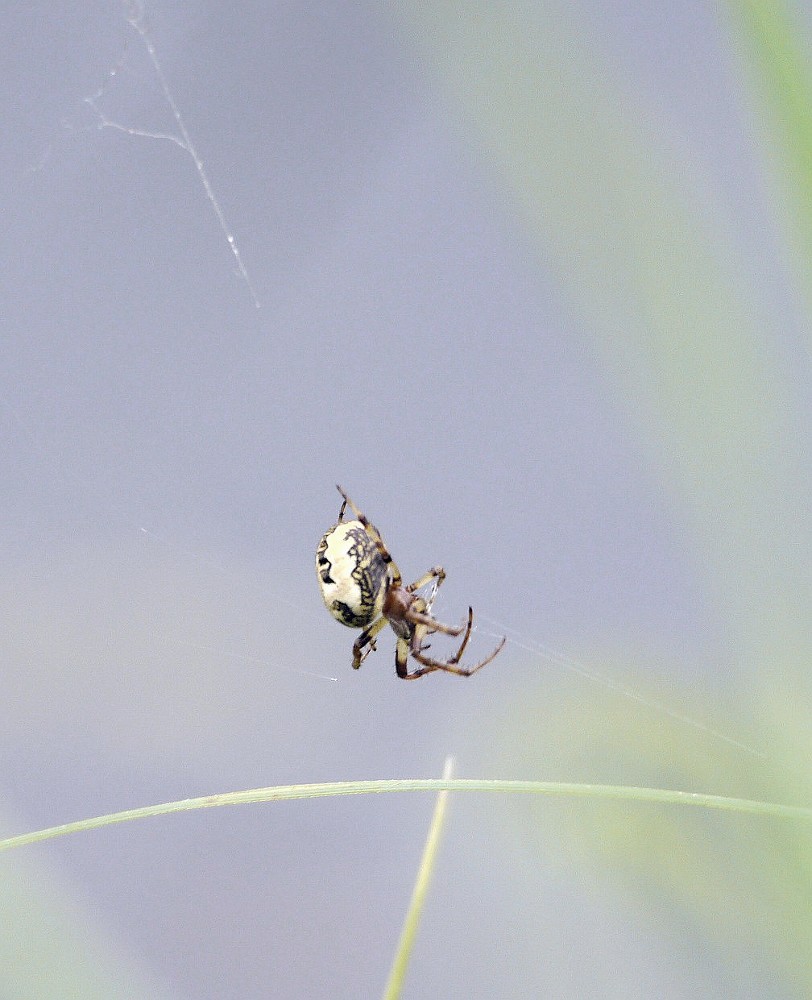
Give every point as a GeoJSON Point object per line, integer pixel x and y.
{"type": "Point", "coordinates": [532, 282]}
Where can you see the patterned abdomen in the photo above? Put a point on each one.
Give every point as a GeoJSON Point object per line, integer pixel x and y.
{"type": "Point", "coordinates": [352, 574]}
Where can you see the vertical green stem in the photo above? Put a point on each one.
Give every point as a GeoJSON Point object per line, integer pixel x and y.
{"type": "Point", "coordinates": [400, 963]}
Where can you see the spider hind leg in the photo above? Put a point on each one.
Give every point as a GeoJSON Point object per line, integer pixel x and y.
{"type": "Point", "coordinates": [366, 638]}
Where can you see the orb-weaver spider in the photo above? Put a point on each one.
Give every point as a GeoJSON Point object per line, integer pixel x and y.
{"type": "Point", "coordinates": [362, 588]}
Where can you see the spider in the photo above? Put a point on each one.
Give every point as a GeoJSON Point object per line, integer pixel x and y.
{"type": "Point", "coordinates": [362, 588]}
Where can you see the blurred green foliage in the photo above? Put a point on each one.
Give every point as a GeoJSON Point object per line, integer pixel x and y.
{"type": "Point", "coordinates": [648, 259]}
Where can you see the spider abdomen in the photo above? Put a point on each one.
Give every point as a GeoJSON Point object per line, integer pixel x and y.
{"type": "Point", "coordinates": [352, 574]}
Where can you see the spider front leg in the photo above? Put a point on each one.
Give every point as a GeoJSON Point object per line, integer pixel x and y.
{"type": "Point", "coordinates": [419, 616]}
{"type": "Point", "coordinates": [417, 650]}
{"type": "Point", "coordinates": [449, 666]}
{"type": "Point", "coordinates": [405, 647]}
{"type": "Point", "coordinates": [366, 638]}
{"type": "Point", "coordinates": [435, 573]}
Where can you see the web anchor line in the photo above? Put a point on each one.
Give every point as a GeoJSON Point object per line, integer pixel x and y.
{"type": "Point", "coordinates": [136, 19]}
{"type": "Point", "coordinates": [546, 652]}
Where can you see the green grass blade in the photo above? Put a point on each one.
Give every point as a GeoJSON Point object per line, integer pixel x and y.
{"type": "Point", "coordinates": [397, 974]}
{"type": "Point", "coordinates": [559, 789]}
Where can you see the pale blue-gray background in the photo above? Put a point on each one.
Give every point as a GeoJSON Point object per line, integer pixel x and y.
{"type": "Point", "coordinates": [169, 456]}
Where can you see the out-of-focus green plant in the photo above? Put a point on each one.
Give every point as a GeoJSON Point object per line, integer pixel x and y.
{"type": "Point", "coordinates": [650, 265]}
{"type": "Point", "coordinates": [648, 260]}
{"type": "Point", "coordinates": [776, 59]}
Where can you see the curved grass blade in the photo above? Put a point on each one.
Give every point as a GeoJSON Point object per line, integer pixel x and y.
{"type": "Point", "coordinates": [559, 789]}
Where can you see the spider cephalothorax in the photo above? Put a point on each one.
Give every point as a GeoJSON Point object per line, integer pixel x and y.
{"type": "Point", "coordinates": [362, 588]}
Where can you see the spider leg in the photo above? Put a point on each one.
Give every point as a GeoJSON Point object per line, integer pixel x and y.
{"type": "Point", "coordinates": [455, 659]}
{"type": "Point", "coordinates": [407, 645]}
{"type": "Point", "coordinates": [458, 655]}
{"type": "Point", "coordinates": [366, 638]}
{"type": "Point", "coordinates": [375, 535]}
{"type": "Point", "coordinates": [421, 618]}
{"type": "Point", "coordinates": [435, 573]}
{"type": "Point", "coordinates": [450, 666]}
{"type": "Point", "coordinates": [402, 659]}
{"type": "Point", "coordinates": [418, 613]}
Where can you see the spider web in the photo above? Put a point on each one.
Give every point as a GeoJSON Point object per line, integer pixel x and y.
{"type": "Point", "coordinates": [516, 638]}
{"type": "Point", "coordinates": [377, 687]}
{"type": "Point", "coordinates": [136, 19]}
{"type": "Point", "coordinates": [542, 652]}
